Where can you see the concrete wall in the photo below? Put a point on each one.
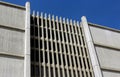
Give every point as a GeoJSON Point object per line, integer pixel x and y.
{"type": "Point", "coordinates": [12, 40]}
{"type": "Point", "coordinates": [12, 16]}
{"type": "Point", "coordinates": [107, 44]}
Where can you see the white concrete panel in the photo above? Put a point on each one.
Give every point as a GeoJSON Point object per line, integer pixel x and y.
{"type": "Point", "coordinates": [111, 74]}
{"type": "Point", "coordinates": [12, 17]}
{"type": "Point", "coordinates": [105, 37]}
{"type": "Point", "coordinates": [11, 67]}
{"type": "Point", "coordinates": [11, 42]}
{"type": "Point", "coordinates": [108, 58]}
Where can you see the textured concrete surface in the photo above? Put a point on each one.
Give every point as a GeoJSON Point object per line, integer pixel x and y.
{"type": "Point", "coordinates": [11, 41]}
{"type": "Point", "coordinates": [11, 67]}
{"type": "Point", "coordinates": [107, 46]}
{"type": "Point", "coordinates": [105, 37]}
{"type": "Point", "coordinates": [111, 74]}
{"type": "Point", "coordinates": [12, 17]}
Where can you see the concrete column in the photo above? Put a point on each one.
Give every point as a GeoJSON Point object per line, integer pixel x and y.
{"type": "Point", "coordinates": [27, 41]}
{"type": "Point", "coordinates": [92, 52]}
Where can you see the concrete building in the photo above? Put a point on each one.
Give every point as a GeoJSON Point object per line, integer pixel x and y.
{"type": "Point", "coordinates": [41, 45]}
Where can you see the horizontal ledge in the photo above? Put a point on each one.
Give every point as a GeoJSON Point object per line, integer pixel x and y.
{"type": "Point", "coordinates": [12, 28]}
{"type": "Point", "coordinates": [11, 55]}
{"type": "Point", "coordinates": [110, 69]}
{"type": "Point", "coordinates": [12, 5]}
{"type": "Point", "coordinates": [104, 27]}
{"type": "Point", "coordinates": [106, 46]}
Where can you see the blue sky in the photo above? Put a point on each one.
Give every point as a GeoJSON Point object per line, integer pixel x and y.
{"type": "Point", "coordinates": [102, 12]}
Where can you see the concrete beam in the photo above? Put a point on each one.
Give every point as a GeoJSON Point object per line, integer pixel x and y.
{"type": "Point", "coordinates": [92, 52]}
{"type": "Point", "coordinates": [27, 42]}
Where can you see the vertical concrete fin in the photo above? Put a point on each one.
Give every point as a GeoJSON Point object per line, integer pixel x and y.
{"type": "Point", "coordinates": [56, 18]}
{"type": "Point", "coordinates": [27, 42]}
{"type": "Point", "coordinates": [78, 23]}
{"type": "Point", "coordinates": [71, 22]}
{"type": "Point", "coordinates": [67, 21]}
{"type": "Point", "coordinates": [53, 17]}
{"type": "Point", "coordinates": [63, 20]}
{"type": "Point", "coordinates": [60, 19]}
{"type": "Point", "coordinates": [74, 22]}
{"type": "Point", "coordinates": [92, 52]}
{"type": "Point", "coordinates": [49, 16]}
{"type": "Point", "coordinates": [45, 15]}
{"type": "Point", "coordinates": [33, 14]}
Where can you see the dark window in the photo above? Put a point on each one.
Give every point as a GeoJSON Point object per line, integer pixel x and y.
{"type": "Point", "coordinates": [62, 47]}
{"type": "Point", "coordinates": [84, 63]}
{"type": "Point", "coordinates": [46, 57]}
{"type": "Point", "coordinates": [43, 22]}
{"type": "Point", "coordinates": [66, 48]}
{"type": "Point", "coordinates": [40, 32]}
{"type": "Point", "coordinates": [51, 70]}
{"type": "Point", "coordinates": [80, 62]}
{"type": "Point", "coordinates": [45, 45]}
{"type": "Point", "coordinates": [59, 26]}
{"type": "Point", "coordinates": [63, 27]}
{"type": "Point", "coordinates": [44, 33]}
{"type": "Point", "coordinates": [41, 44]}
{"type": "Point", "coordinates": [68, 60]}
{"type": "Point", "coordinates": [36, 43]}
{"type": "Point", "coordinates": [76, 61]}
{"type": "Point", "coordinates": [51, 24]}
{"type": "Point", "coordinates": [54, 46]}
{"type": "Point", "coordinates": [65, 73]}
{"type": "Point", "coordinates": [31, 19]}
{"type": "Point", "coordinates": [78, 51]}
{"type": "Point", "coordinates": [55, 25]}
{"type": "Point", "coordinates": [32, 55]}
{"type": "Point", "coordinates": [53, 34]}
{"type": "Point", "coordinates": [58, 48]}
{"type": "Point", "coordinates": [68, 37]}
{"type": "Point", "coordinates": [74, 50]}
{"type": "Point", "coordinates": [72, 61]}
{"type": "Point", "coordinates": [40, 21]}
{"type": "Point", "coordinates": [48, 24]}
{"type": "Point", "coordinates": [59, 57]}
{"type": "Point", "coordinates": [32, 30]}
{"type": "Point", "coordinates": [35, 21]}
{"type": "Point", "coordinates": [72, 38]}
{"type": "Point", "coordinates": [36, 31]}
{"type": "Point", "coordinates": [64, 63]}
{"type": "Point", "coordinates": [56, 72]}
{"type": "Point", "coordinates": [32, 70]}
{"type": "Point", "coordinates": [37, 71]}
{"type": "Point", "coordinates": [49, 34]}
{"type": "Point", "coordinates": [61, 74]}
{"type": "Point", "coordinates": [70, 73]}
{"type": "Point", "coordinates": [37, 56]}
{"type": "Point", "coordinates": [50, 58]}
{"type": "Point", "coordinates": [70, 49]}
{"type": "Point", "coordinates": [55, 58]}
{"type": "Point", "coordinates": [49, 43]}
{"type": "Point", "coordinates": [74, 73]}
{"type": "Point", "coordinates": [61, 36]}
{"type": "Point", "coordinates": [32, 42]}
{"type": "Point", "coordinates": [42, 71]}
{"type": "Point", "coordinates": [41, 56]}
{"type": "Point", "coordinates": [57, 36]}
{"type": "Point", "coordinates": [76, 39]}
{"type": "Point", "coordinates": [64, 37]}
{"type": "Point", "coordinates": [47, 71]}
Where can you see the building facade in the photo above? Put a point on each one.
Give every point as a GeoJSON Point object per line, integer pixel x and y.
{"type": "Point", "coordinates": [41, 45]}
